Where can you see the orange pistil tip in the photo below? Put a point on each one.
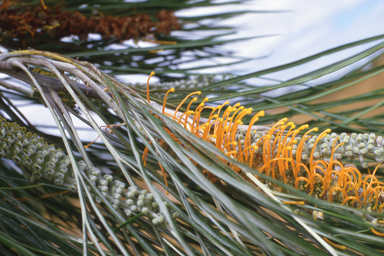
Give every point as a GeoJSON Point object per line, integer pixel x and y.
{"type": "Point", "coordinates": [294, 202]}
{"type": "Point", "coordinates": [341, 247]}
{"type": "Point", "coordinates": [376, 233]}
{"type": "Point", "coordinates": [152, 74]}
{"type": "Point", "coordinates": [305, 126]}
{"type": "Point", "coordinates": [178, 107]}
{"type": "Point", "coordinates": [87, 146]}
{"type": "Point", "coordinates": [43, 4]}
{"type": "Point", "coordinates": [165, 98]}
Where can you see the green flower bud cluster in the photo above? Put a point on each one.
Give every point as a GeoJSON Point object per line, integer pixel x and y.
{"type": "Point", "coordinates": [41, 160]}
{"type": "Point", "coordinates": [133, 200]}
{"type": "Point", "coordinates": [33, 153]}
{"type": "Point", "coordinates": [254, 138]}
{"type": "Point", "coordinates": [192, 83]}
{"type": "Point", "coordinates": [354, 146]}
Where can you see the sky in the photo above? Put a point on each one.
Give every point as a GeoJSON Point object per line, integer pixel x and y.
{"type": "Point", "coordinates": [300, 28]}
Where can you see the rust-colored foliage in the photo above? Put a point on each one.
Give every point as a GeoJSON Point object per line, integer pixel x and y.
{"type": "Point", "coordinates": [24, 23]}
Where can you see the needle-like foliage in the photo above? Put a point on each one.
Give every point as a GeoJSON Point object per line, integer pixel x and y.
{"type": "Point", "coordinates": [176, 173]}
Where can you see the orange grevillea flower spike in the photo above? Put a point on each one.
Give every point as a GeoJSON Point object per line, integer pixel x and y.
{"type": "Point", "coordinates": [311, 163]}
